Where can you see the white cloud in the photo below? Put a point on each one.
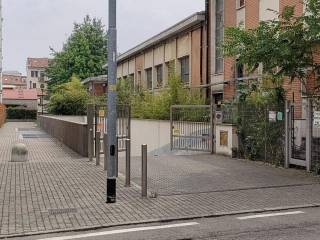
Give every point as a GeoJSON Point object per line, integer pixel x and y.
{"type": "Point", "coordinates": [31, 26]}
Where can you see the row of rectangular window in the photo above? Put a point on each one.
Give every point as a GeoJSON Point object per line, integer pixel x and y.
{"type": "Point", "coordinates": [184, 72]}
{"type": "Point", "coordinates": [159, 73]}
{"type": "Point", "coordinates": [36, 74]}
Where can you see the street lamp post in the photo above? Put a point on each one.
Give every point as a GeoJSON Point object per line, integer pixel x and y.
{"type": "Point", "coordinates": [112, 105]}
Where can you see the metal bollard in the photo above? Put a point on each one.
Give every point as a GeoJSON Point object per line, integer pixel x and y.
{"type": "Point", "coordinates": [128, 162]}
{"type": "Point", "coordinates": [98, 146]}
{"type": "Point", "coordinates": [144, 170]}
{"type": "Point", "coordinates": [105, 150]}
{"type": "Point", "coordinates": [91, 143]}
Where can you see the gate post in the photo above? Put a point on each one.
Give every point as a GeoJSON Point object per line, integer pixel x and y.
{"type": "Point", "coordinates": [90, 122]}
{"type": "Point", "coordinates": [171, 128]}
{"type": "Point", "coordinates": [287, 134]}
{"type": "Point", "coordinates": [105, 150]}
{"type": "Point", "coordinates": [98, 150]}
{"type": "Point", "coordinates": [309, 135]}
{"type": "Point", "coordinates": [213, 129]}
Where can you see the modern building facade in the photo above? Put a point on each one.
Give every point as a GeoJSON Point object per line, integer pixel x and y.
{"type": "Point", "coordinates": [181, 49]}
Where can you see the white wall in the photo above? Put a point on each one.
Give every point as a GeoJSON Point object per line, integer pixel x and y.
{"type": "Point", "coordinates": [232, 139]}
{"type": "Point", "coordinates": [264, 13]}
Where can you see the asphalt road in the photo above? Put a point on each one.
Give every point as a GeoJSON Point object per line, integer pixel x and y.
{"type": "Point", "coordinates": [285, 225]}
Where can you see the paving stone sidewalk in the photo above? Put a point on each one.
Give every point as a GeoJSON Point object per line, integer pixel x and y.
{"type": "Point", "coordinates": [58, 190]}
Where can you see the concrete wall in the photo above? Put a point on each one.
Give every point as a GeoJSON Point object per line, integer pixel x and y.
{"type": "Point", "coordinates": [232, 139]}
{"type": "Point", "coordinates": [265, 13]}
{"type": "Point", "coordinates": [152, 132]}
{"type": "Point", "coordinates": [67, 130]}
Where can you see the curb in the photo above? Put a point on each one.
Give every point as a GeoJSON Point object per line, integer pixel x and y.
{"type": "Point", "coordinates": [160, 220]}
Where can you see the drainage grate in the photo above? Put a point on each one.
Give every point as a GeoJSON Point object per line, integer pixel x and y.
{"type": "Point", "coordinates": [35, 135]}
{"type": "Point", "coordinates": [27, 129]}
{"type": "Point", "coordinates": [62, 211]}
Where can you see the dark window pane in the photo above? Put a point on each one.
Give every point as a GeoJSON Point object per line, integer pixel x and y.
{"type": "Point", "coordinates": [149, 78]}
{"type": "Point", "coordinates": [159, 70]}
{"type": "Point", "coordinates": [185, 69]}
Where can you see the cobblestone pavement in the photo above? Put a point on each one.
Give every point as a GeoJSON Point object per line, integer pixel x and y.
{"type": "Point", "coordinates": [186, 174]}
{"type": "Point", "coordinates": [57, 190]}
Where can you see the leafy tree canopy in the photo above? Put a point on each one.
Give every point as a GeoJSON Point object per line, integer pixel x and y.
{"type": "Point", "coordinates": [84, 53]}
{"type": "Point", "coordinates": [284, 46]}
{"type": "Point", "coordinates": [69, 98]}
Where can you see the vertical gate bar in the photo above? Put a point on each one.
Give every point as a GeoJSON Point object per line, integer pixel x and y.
{"type": "Point", "coordinates": [309, 135]}
{"type": "Point", "coordinates": [98, 145]}
{"type": "Point", "coordinates": [287, 134]}
{"type": "Point", "coordinates": [105, 150]}
{"type": "Point", "coordinates": [128, 162]}
{"type": "Point", "coordinates": [171, 128]}
{"type": "Point", "coordinates": [211, 130]}
{"type": "Point", "coordinates": [117, 157]}
{"type": "Point", "coordinates": [90, 117]}
{"type": "Point", "coordinates": [144, 171]}
{"type": "Point", "coordinates": [265, 133]}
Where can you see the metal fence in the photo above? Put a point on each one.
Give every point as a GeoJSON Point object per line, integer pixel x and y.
{"type": "Point", "coordinates": [260, 129]}
{"type": "Point", "coordinates": [99, 123]}
{"type": "Point", "coordinates": [192, 128]}
{"type": "Point", "coordinates": [315, 148]}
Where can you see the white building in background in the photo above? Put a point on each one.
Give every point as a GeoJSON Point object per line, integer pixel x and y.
{"type": "Point", "coordinates": [36, 68]}
{"type": "Point", "coordinates": [37, 79]}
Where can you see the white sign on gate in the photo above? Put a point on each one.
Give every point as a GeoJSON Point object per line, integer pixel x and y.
{"type": "Point", "coordinates": [316, 119]}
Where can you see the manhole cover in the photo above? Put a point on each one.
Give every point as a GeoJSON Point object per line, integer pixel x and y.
{"type": "Point", "coordinates": [62, 211]}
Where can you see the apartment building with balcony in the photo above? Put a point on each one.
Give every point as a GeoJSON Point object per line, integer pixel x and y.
{"type": "Point", "coordinates": [37, 79]}
{"type": "Point", "coordinates": [36, 68]}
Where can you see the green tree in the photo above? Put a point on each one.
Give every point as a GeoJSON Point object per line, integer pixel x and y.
{"type": "Point", "coordinates": [69, 98]}
{"type": "Point", "coordinates": [84, 53]}
{"type": "Point", "coordinates": [285, 46]}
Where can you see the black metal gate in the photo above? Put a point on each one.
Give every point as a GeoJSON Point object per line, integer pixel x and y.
{"type": "Point", "coordinates": [298, 134]}
{"type": "Point", "coordinates": [192, 128]}
{"type": "Point", "coordinates": [123, 125]}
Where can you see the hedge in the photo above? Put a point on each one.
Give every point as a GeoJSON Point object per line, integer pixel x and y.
{"type": "Point", "coordinates": [16, 113]}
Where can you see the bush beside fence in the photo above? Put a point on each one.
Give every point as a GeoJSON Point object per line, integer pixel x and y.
{"type": "Point", "coordinates": [2, 114]}
{"type": "Point", "coordinates": [260, 138]}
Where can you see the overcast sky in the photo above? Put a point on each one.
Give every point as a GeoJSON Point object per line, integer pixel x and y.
{"type": "Point", "coordinates": [31, 26]}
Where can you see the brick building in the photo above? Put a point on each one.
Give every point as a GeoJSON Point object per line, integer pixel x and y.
{"type": "Point", "coordinates": [13, 79]}
{"type": "Point", "coordinates": [182, 48]}
{"type": "Point", "coordinates": [248, 14]}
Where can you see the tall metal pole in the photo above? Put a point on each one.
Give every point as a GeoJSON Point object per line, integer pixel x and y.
{"type": "Point", "coordinates": [1, 21]}
{"type": "Point", "coordinates": [112, 105]}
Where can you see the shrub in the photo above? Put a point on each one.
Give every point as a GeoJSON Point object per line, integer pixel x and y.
{"type": "Point", "coordinates": [69, 99]}
{"type": "Point", "coordinates": [18, 113]}
{"type": "Point", "coordinates": [258, 137]}
{"type": "Point", "coordinates": [147, 105]}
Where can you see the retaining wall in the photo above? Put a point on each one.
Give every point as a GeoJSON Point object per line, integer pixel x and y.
{"type": "Point", "coordinates": [72, 133]}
